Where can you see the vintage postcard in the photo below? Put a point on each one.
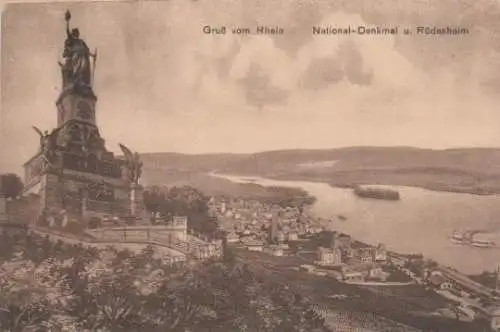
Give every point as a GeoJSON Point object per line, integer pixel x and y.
{"type": "Point", "coordinates": [260, 166]}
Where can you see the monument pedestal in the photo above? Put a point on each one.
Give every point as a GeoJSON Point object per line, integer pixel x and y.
{"type": "Point", "coordinates": [137, 208]}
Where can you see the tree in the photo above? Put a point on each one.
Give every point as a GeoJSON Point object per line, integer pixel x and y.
{"type": "Point", "coordinates": [7, 248]}
{"type": "Point", "coordinates": [70, 288]}
{"type": "Point", "coordinates": [11, 185]}
{"type": "Point", "coordinates": [190, 202]}
{"type": "Point", "coordinates": [34, 296]}
{"type": "Point", "coordinates": [185, 200]}
{"type": "Point", "coordinates": [180, 304]}
{"type": "Point", "coordinates": [154, 200]}
{"type": "Point", "coordinates": [106, 297]}
{"type": "Point", "coordinates": [181, 201]}
{"type": "Point", "coordinates": [20, 309]}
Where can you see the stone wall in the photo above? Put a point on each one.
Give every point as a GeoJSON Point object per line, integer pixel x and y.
{"type": "Point", "coordinates": [23, 210]}
{"type": "Point", "coordinates": [52, 199]}
{"type": "Point", "coordinates": [3, 208]}
{"type": "Point", "coordinates": [33, 169]}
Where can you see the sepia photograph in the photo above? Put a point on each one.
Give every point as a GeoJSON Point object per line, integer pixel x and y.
{"type": "Point", "coordinates": [257, 166]}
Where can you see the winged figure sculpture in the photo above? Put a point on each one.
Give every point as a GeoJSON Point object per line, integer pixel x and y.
{"type": "Point", "coordinates": [133, 164]}
{"type": "Point", "coordinates": [47, 143]}
{"type": "Point", "coordinates": [43, 137]}
{"type": "Point", "coordinates": [126, 152]}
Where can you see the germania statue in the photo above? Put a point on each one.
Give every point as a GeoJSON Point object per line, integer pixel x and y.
{"type": "Point", "coordinates": [77, 66]}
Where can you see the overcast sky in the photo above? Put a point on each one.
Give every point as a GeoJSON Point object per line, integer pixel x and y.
{"type": "Point", "coordinates": [163, 85]}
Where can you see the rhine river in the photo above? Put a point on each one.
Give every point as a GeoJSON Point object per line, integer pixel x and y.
{"type": "Point", "coordinates": [421, 222]}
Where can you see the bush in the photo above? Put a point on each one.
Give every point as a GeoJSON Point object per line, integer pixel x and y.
{"type": "Point", "coordinates": [94, 223]}
{"type": "Point", "coordinates": [43, 222]}
{"type": "Point", "coordinates": [396, 275]}
{"type": "Point", "coordinates": [74, 227]}
{"type": "Point", "coordinates": [11, 185]}
{"type": "Point", "coordinates": [58, 222]}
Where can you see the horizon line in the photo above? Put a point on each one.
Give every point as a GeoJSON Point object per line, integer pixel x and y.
{"type": "Point", "coordinates": [324, 149]}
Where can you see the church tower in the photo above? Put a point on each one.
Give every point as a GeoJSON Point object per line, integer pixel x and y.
{"type": "Point", "coordinates": [73, 172]}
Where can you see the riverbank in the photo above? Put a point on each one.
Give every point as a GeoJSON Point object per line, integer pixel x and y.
{"type": "Point", "coordinates": [433, 180]}
{"type": "Point", "coordinates": [473, 184]}
{"type": "Point", "coordinates": [458, 171]}
{"type": "Point", "coordinates": [422, 222]}
{"type": "Point", "coordinates": [431, 187]}
{"type": "Point", "coordinates": [212, 185]}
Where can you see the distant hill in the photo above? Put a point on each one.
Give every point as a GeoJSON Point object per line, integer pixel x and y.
{"type": "Point", "coordinates": [469, 169]}
{"type": "Point", "coordinates": [472, 160]}
{"type": "Point", "coordinates": [188, 162]}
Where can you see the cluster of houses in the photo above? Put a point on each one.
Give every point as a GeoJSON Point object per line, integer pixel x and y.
{"type": "Point", "coordinates": [269, 228]}
{"type": "Point", "coordinates": [251, 221]}
{"type": "Point", "coordinates": [353, 262]}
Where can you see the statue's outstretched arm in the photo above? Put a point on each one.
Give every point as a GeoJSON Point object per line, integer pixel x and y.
{"type": "Point", "coordinates": [68, 17]}
{"type": "Point", "coordinates": [38, 131]}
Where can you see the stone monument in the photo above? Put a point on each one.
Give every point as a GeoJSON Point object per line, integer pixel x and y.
{"type": "Point", "coordinates": [72, 170]}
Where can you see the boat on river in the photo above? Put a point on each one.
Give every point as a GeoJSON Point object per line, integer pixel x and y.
{"type": "Point", "coordinates": [461, 237]}
{"type": "Point", "coordinates": [483, 240]}
{"type": "Point", "coordinates": [483, 244]}
{"type": "Point", "coordinates": [474, 238]}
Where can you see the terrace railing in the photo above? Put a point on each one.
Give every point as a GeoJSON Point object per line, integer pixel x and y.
{"type": "Point", "coordinates": [193, 247]}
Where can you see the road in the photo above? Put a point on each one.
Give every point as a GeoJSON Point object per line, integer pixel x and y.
{"type": "Point", "coordinates": [466, 281]}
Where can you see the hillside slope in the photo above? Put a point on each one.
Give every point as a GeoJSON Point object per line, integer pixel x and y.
{"type": "Point", "coordinates": [473, 170]}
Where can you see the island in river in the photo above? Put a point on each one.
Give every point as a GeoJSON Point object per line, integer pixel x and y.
{"type": "Point", "coordinates": [376, 193]}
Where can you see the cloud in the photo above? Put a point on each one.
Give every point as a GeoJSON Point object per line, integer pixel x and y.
{"type": "Point", "coordinates": [164, 85]}
{"type": "Point", "coordinates": [323, 72]}
{"type": "Point", "coordinates": [348, 63]}
{"type": "Point", "coordinates": [259, 90]}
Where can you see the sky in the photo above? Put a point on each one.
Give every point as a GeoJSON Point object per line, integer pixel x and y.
{"type": "Point", "coordinates": [165, 86]}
